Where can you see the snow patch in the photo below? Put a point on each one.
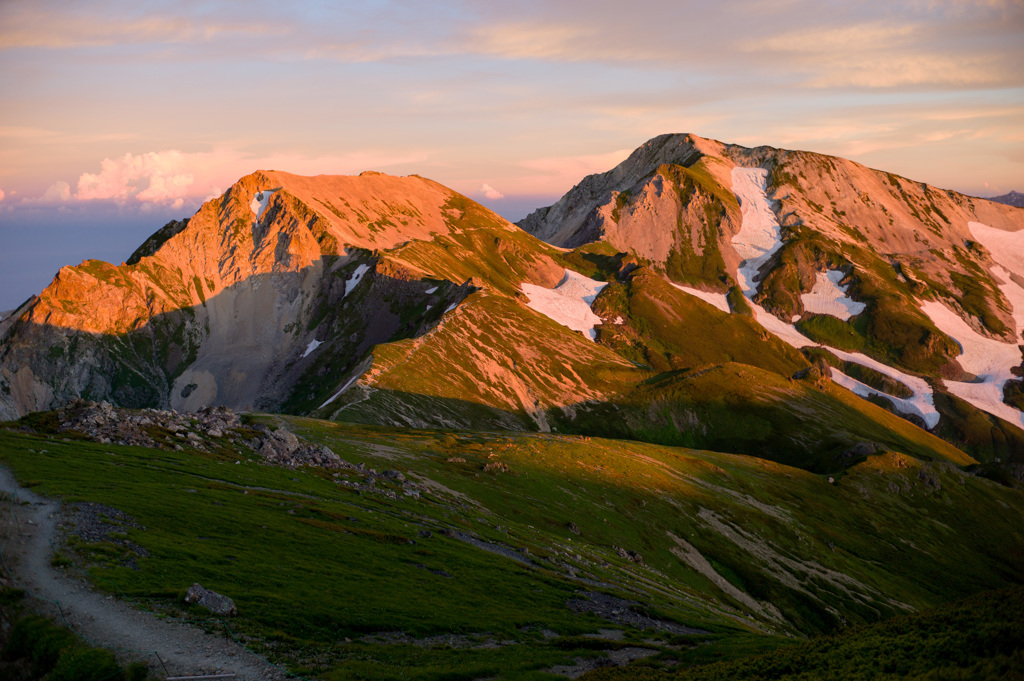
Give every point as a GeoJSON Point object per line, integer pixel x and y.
{"type": "Point", "coordinates": [260, 202]}
{"type": "Point", "coordinates": [313, 345]}
{"type": "Point", "coordinates": [921, 403]}
{"type": "Point", "coordinates": [911, 405]}
{"type": "Point", "coordinates": [828, 298]}
{"type": "Point", "coordinates": [988, 359]}
{"type": "Point", "coordinates": [1007, 248]}
{"type": "Point", "coordinates": [343, 389]}
{"type": "Point", "coordinates": [760, 234]}
{"type": "Point", "coordinates": [357, 276]}
{"type": "Point", "coordinates": [758, 239]}
{"type": "Point", "coordinates": [717, 299]}
{"type": "Point", "coordinates": [569, 302]}
{"type": "Point", "coordinates": [431, 290]}
{"type": "Point", "coordinates": [619, 321]}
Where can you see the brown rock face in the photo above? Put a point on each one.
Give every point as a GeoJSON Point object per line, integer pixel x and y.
{"type": "Point", "coordinates": [217, 310]}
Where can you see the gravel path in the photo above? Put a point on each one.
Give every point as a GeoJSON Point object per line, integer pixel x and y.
{"type": "Point", "coordinates": [101, 619]}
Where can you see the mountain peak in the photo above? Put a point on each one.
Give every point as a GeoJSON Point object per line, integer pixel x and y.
{"type": "Point", "coordinates": [1013, 198]}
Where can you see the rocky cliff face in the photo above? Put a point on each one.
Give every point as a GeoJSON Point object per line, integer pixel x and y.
{"type": "Point", "coordinates": [222, 308]}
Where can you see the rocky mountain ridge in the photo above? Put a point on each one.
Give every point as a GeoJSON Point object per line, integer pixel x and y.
{"type": "Point", "coordinates": [1013, 198]}
{"type": "Point", "coordinates": [769, 278]}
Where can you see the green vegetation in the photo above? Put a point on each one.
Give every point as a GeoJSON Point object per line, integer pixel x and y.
{"type": "Point", "coordinates": [978, 639]}
{"type": "Point", "coordinates": [668, 330]}
{"type": "Point", "coordinates": [695, 185]}
{"type": "Point", "coordinates": [832, 331]}
{"type": "Point", "coordinates": [564, 505]}
{"type": "Point", "coordinates": [34, 648]}
{"type": "Point", "coordinates": [741, 409]}
{"type": "Point", "coordinates": [621, 199]}
{"type": "Point", "coordinates": [977, 294]}
{"type": "Point", "coordinates": [978, 433]}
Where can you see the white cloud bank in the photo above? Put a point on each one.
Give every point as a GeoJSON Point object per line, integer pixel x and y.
{"type": "Point", "coordinates": [173, 178]}
{"type": "Point", "coordinates": [157, 176]}
{"type": "Point", "coordinates": [490, 192]}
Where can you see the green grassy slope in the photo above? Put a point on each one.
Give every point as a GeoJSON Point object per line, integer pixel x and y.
{"type": "Point", "coordinates": [311, 561]}
{"type": "Point", "coordinates": [668, 329]}
{"type": "Point", "coordinates": [745, 410]}
{"type": "Point", "coordinates": [978, 639]}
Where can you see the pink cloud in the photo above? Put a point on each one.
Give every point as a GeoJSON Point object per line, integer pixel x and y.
{"type": "Point", "coordinates": [156, 176]}
{"type": "Point", "coordinates": [490, 192]}
{"type": "Point", "coordinates": [172, 176]}
{"type": "Point", "coordinates": [58, 192]}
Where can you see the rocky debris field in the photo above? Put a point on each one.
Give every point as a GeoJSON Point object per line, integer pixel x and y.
{"type": "Point", "coordinates": [625, 612]}
{"type": "Point", "coordinates": [91, 522]}
{"type": "Point", "coordinates": [219, 430]}
{"type": "Point", "coordinates": [104, 423]}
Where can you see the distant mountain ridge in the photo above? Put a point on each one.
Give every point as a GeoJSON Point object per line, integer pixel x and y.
{"type": "Point", "coordinates": [1013, 198]}
{"type": "Point", "coordinates": [832, 307]}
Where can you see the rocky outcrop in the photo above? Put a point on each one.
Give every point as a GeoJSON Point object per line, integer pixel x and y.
{"type": "Point", "coordinates": [211, 600]}
{"type": "Point", "coordinates": [282, 447]}
{"type": "Point", "coordinates": [104, 423]}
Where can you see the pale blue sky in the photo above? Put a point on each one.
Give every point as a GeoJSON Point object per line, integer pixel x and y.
{"type": "Point", "coordinates": [118, 115]}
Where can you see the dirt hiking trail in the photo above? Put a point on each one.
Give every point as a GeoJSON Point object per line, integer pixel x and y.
{"type": "Point", "coordinates": [26, 529]}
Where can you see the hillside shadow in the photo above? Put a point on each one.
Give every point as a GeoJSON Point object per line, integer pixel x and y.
{"type": "Point", "coordinates": [218, 351]}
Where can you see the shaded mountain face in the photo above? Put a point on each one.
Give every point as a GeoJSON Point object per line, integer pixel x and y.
{"type": "Point", "coordinates": [786, 305]}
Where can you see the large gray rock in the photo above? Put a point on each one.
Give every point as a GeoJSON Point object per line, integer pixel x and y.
{"type": "Point", "coordinates": [211, 600]}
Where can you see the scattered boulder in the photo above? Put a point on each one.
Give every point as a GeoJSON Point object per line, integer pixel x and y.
{"type": "Point", "coordinates": [211, 600]}
{"type": "Point", "coordinates": [496, 467]}
{"type": "Point", "coordinates": [929, 477]}
{"type": "Point", "coordinates": [393, 475]}
{"type": "Point", "coordinates": [573, 527]}
{"type": "Point", "coordinates": [629, 555]}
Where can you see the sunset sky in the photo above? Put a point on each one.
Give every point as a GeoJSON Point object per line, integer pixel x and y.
{"type": "Point", "coordinates": [117, 116]}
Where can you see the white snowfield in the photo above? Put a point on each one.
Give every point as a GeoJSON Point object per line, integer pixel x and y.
{"type": "Point", "coordinates": [260, 202]}
{"type": "Point", "coordinates": [1007, 248]}
{"type": "Point", "coordinates": [431, 290]}
{"type": "Point", "coordinates": [758, 239]}
{"type": "Point", "coordinates": [569, 302]}
{"type": "Point", "coordinates": [921, 403]}
{"type": "Point", "coordinates": [760, 234]}
{"type": "Point", "coordinates": [353, 281]}
{"type": "Point", "coordinates": [313, 345]}
{"type": "Point", "coordinates": [716, 299]}
{"type": "Point", "coordinates": [988, 359]}
{"type": "Point", "coordinates": [827, 298]}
